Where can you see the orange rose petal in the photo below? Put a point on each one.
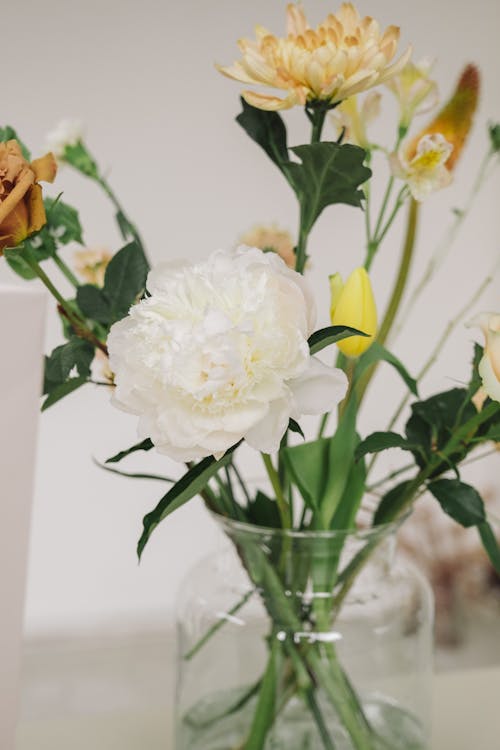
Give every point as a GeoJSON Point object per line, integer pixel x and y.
{"type": "Point", "coordinates": [36, 209]}
{"type": "Point", "coordinates": [45, 168]}
{"type": "Point", "coordinates": [17, 194]}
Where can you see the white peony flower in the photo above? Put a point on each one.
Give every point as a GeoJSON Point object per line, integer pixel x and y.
{"type": "Point", "coordinates": [218, 353]}
{"type": "Point", "coordinates": [66, 133]}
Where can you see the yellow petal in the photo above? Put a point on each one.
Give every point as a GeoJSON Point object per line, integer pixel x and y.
{"type": "Point", "coordinates": [356, 308]}
{"type": "Point", "coordinates": [45, 168]}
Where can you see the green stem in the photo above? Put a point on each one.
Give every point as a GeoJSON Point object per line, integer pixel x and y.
{"type": "Point", "coordinates": [65, 270]}
{"type": "Point", "coordinates": [79, 326]}
{"type": "Point", "coordinates": [283, 507]}
{"type": "Point", "coordinates": [119, 208]}
{"type": "Point", "coordinates": [218, 625]}
{"type": "Point", "coordinates": [383, 208]}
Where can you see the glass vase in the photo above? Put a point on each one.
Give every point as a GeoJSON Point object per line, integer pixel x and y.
{"type": "Point", "coordinates": [304, 641]}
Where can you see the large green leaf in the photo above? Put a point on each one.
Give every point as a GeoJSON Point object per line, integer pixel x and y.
{"type": "Point", "coordinates": [330, 335]}
{"type": "Point", "coordinates": [14, 258]}
{"type": "Point", "coordinates": [329, 173]}
{"type": "Point", "coordinates": [460, 501]}
{"type": "Point", "coordinates": [144, 445]}
{"type": "Point", "coordinates": [190, 485]}
{"type": "Point", "coordinates": [345, 515]}
{"type": "Point", "coordinates": [382, 441]}
{"type": "Point", "coordinates": [377, 353]}
{"type": "Point", "coordinates": [308, 467]}
{"type": "Point", "coordinates": [263, 511]}
{"type": "Point", "coordinates": [93, 303]}
{"type": "Point", "coordinates": [125, 280]}
{"type": "Point", "coordinates": [392, 503]}
{"type": "Point", "coordinates": [268, 130]}
{"type": "Point", "coordinates": [340, 460]}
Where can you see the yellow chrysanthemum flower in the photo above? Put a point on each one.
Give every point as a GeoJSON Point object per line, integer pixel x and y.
{"type": "Point", "coordinates": [455, 120]}
{"type": "Point", "coordinates": [343, 56]}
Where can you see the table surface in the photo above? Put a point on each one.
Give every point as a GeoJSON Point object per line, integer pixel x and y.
{"type": "Point", "coordinates": [118, 696]}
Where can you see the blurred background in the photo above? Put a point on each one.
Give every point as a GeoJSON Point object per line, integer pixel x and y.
{"type": "Point", "coordinates": [160, 121]}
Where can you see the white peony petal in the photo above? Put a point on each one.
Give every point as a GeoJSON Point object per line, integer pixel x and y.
{"type": "Point", "coordinates": [491, 383]}
{"type": "Point", "coordinates": [266, 435]}
{"type": "Point", "coordinates": [319, 389]}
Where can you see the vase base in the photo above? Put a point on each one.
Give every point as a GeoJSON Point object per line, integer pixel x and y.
{"type": "Point", "coordinates": [220, 722]}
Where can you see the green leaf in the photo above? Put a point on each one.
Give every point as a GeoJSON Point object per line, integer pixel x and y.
{"type": "Point", "coordinates": [340, 461]}
{"type": "Point", "coordinates": [392, 503]}
{"type": "Point", "coordinates": [329, 173]}
{"type": "Point", "coordinates": [63, 390]}
{"type": "Point", "coordinates": [135, 475]}
{"type": "Point", "coordinates": [263, 511]}
{"type": "Point", "coordinates": [93, 303]}
{"type": "Point", "coordinates": [492, 434]}
{"type": "Point", "coordinates": [345, 515]}
{"type": "Point", "coordinates": [294, 426]}
{"type": "Point", "coordinates": [144, 445]}
{"type": "Point", "coordinates": [460, 501]}
{"type": "Point", "coordinates": [75, 353]}
{"type": "Point", "coordinates": [14, 257]}
{"type": "Point", "coordinates": [7, 133]}
{"type": "Point", "coordinates": [308, 467]}
{"type": "Point", "coordinates": [330, 335]}
{"type": "Point", "coordinates": [190, 485]}
{"type": "Point", "coordinates": [125, 280]}
{"type": "Point", "coordinates": [63, 222]}
{"type": "Point", "coordinates": [377, 353]}
{"type": "Point", "coordinates": [77, 155]}
{"type": "Point", "coordinates": [268, 130]}
{"type": "Point", "coordinates": [490, 544]}
{"type": "Point", "coordinates": [381, 441]}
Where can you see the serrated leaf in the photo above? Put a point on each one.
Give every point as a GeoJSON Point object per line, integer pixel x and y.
{"type": "Point", "coordinates": [381, 441]}
{"type": "Point", "coordinates": [93, 303]}
{"type": "Point", "coordinates": [144, 445]}
{"type": "Point", "coordinates": [392, 504]}
{"type": "Point", "coordinates": [63, 221]}
{"type": "Point", "coordinates": [75, 353]}
{"type": "Point", "coordinates": [329, 173]}
{"type": "Point", "coordinates": [330, 335]}
{"type": "Point", "coordinates": [7, 133]}
{"type": "Point", "coordinates": [378, 353]}
{"type": "Point", "coordinates": [125, 280]}
{"type": "Point", "coordinates": [63, 390]}
{"type": "Point", "coordinates": [460, 501]}
{"type": "Point", "coordinates": [190, 485]}
{"type": "Point", "coordinates": [268, 130]}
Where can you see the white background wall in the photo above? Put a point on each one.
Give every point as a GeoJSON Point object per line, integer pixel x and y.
{"type": "Point", "coordinates": [160, 119]}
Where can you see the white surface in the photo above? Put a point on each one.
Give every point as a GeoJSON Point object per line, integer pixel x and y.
{"type": "Point", "coordinates": [118, 695]}
{"type": "Point", "coordinates": [141, 76]}
{"type": "Point", "coordinates": [21, 340]}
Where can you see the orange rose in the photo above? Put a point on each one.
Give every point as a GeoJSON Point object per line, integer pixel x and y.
{"type": "Point", "coordinates": [21, 205]}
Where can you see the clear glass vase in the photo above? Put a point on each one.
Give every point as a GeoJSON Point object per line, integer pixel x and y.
{"type": "Point", "coordinates": [304, 641]}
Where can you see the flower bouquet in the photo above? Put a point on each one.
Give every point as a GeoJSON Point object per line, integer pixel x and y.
{"type": "Point", "coordinates": [227, 351]}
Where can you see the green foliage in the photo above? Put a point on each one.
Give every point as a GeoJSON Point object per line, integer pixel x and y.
{"type": "Point", "coordinates": [14, 258]}
{"type": "Point", "coordinates": [347, 510]}
{"type": "Point", "coordinates": [377, 353]}
{"type": "Point", "coordinates": [76, 354]}
{"type": "Point", "coordinates": [63, 222]}
{"type": "Point", "coordinates": [60, 391]}
{"type": "Point", "coordinates": [460, 501]}
{"type": "Point", "coordinates": [381, 441]}
{"type": "Point", "coordinates": [490, 544]}
{"type": "Point", "coordinates": [263, 511]}
{"type": "Point", "coordinates": [330, 335]}
{"type": "Point", "coordinates": [329, 173]}
{"type": "Point", "coordinates": [294, 426]}
{"type": "Point", "coordinates": [7, 133]}
{"type": "Point", "coordinates": [124, 283]}
{"type": "Point", "coordinates": [392, 503]}
{"type": "Point", "coordinates": [308, 468]}
{"type": "Point", "coordinates": [190, 485]}
{"type": "Point", "coordinates": [340, 460]}
{"type": "Point", "coordinates": [144, 445]}
{"type": "Point", "coordinates": [268, 130]}
{"type": "Point", "coordinates": [77, 155]}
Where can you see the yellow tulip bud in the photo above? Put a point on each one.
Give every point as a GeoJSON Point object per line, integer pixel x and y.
{"type": "Point", "coordinates": [336, 286]}
{"type": "Point", "coordinates": [355, 307]}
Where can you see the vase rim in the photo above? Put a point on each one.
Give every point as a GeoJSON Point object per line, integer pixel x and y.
{"type": "Point", "coordinates": [370, 532]}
